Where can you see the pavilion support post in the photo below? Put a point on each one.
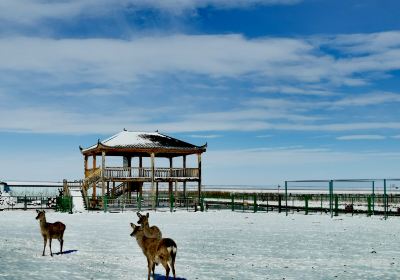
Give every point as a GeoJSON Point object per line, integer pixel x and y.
{"type": "Point", "coordinates": [94, 184]}
{"type": "Point", "coordinates": [86, 164]}
{"type": "Point", "coordinates": [184, 175]}
{"type": "Point", "coordinates": [108, 188]}
{"type": "Point", "coordinates": [170, 183]}
{"type": "Point", "coordinates": [141, 174]}
{"type": "Point", "coordinates": [199, 181]}
{"type": "Point", "coordinates": [103, 167]}
{"type": "Point", "coordinates": [157, 194]}
{"type": "Point", "coordinates": [152, 182]}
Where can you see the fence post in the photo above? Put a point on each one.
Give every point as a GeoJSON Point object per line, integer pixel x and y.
{"type": "Point", "coordinates": [171, 202]}
{"type": "Point", "coordinates": [352, 205]}
{"type": "Point", "coordinates": [202, 203]}
{"type": "Point", "coordinates": [331, 197]}
{"type": "Point", "coordinates": [25, 203]}
{"type": "Point", "coordinates": [105, 202]}
{"type": "Point", "coordinates": [255, 203]}
{"type": "Point", "coordinates": [373, 197]}
{"type": "Point", "coordinates": [286, 207]}
{"type": "Point", "coordinates": [369, 206]}
{"type": "Point", "coordinates": [336, 205]}
{"type": "Point", "coordinates": [306, 204]}
{"type": "Point", "coordinates": [140, 202]}
{"type": "Point", "coordinates": [385, 201]}
{"type": "Point", "coordinates": [233, 201]}
{"type": "Point", "coordinates": [321, 203]}
{"type": "Point", "coordinates": [279, 203]}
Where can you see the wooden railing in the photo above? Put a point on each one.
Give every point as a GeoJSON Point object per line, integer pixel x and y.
{"type": "Point", "coordinates": [145, 172]}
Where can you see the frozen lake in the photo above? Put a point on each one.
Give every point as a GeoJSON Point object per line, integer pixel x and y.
{"type": "Point", "coordinates": [211, 245]}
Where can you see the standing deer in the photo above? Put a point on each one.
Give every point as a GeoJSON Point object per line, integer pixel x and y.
{"type": "Point", "coordinates": [151, 232]}
{"type": "Point", "coordinates": [156, 251]}
{"type": "Point", "coordinates": [50, 231]}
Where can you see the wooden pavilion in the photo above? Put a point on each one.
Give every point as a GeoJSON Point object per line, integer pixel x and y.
{"type": "Point", "coordinates": [130, 145]}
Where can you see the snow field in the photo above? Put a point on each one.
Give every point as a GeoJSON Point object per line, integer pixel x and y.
{"type": "Point", "coordinates": [211, 245]}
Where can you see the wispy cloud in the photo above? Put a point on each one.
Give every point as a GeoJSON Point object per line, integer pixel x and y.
{"type": "Point", "coordinates": [32, 11]}
{"type": "Point", "coordinates": [361, 137]}
{"type": "Point", "coordinates": [209, 136]}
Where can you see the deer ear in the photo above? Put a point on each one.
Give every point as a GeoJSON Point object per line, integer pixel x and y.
{"type": "Point", "coordinates": [147, 215]}
{"type": "Point", "coordinates": [37, 211]}
{"type": "Point", "coordinates": [132, 225]}
{"type": "Point", "coordinates": [138, 214]}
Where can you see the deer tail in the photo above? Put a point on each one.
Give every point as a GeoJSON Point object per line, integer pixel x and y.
{"type": "Point", "coordinates": [172, 250]}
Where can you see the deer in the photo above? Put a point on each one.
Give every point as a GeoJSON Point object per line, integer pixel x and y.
{"type": "Point", "coordinates": [156, 251]}
{"type": "Point", "coordinates": [50, 231]}
{"type": "Point", "coordinates": [151, 232]}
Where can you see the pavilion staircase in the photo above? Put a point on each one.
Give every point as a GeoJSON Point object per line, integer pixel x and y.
{"type": "Point", "coordinates": [89, 181]}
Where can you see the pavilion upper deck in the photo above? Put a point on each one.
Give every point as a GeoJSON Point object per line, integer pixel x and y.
{"type": "Point", "coordinates": [145, 173]}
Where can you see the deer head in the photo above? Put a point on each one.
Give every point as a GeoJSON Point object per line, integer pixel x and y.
{"type": "Point", "coordinates": [135, 229]}
{"type": "Point", "coordinates": [143, 219]}
{"type": "Point", "coordinates": [40, 215]}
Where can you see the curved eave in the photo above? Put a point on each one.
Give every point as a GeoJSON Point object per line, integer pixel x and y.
{"type": "Point", "coordinates": [100, 147]}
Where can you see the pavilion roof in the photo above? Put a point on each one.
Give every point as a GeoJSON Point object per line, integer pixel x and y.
{"type": "Point", "coordinates": [134, 141]}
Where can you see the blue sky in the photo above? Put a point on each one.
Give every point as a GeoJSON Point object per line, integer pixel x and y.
{"type": "Point", "coordinates": [280, 89]}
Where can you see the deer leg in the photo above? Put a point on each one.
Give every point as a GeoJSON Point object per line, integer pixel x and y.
{"type": "Point", "coordinates": [173, 269]}
{"type": "Point", "coordinates": [167, 271]}
{"type": "Point", "coordinates": [61, 245]}
{"type": "Point", "coordinates": [44, 246]}
{"type": "Point", "coordinates": [148, 268]}
{"type": "Point", "coordinates": [51, 253]}
{"type": "Point", "coordinates": [153, 268]}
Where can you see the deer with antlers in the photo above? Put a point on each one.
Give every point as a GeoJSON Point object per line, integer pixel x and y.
{"type": "Point", "coordinates": [151, 232]}
{"type": "Point", "coordinates": [156, 251]}
{"type": "Point", "coordinates": [50, 231]}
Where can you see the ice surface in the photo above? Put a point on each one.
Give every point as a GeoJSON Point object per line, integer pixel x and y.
{"type": "Point", "coordinates": [211, 245]}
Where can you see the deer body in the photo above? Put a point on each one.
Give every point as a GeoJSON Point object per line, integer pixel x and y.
{"type": "Point", "coordinates": [50, 231]}
{"type": "Point", "coordinates": [151, 232]}
{"type": "Point", "coordinates": [156, 251]}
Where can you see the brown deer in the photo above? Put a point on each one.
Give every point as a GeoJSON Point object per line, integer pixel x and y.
{"type": "Point", "coordinates": [156, 251]}
{"type": "Point", "coordinates": [151, 232]}
{"type": "Point", "coordinates": [50, 231]}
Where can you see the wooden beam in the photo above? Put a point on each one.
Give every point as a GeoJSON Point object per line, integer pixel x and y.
{"type": "Point", "coordinates": [184, 182]}
{"type": "Point", "coordinates": [152, 181]}
{"type": "Point", "coordinates": [199, 166]}
{"type": "Point", "coordinates": [103, 166]}
{"type": "Point", "coordinates": [94, 184]}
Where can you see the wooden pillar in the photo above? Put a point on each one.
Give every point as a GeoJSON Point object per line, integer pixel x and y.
{"type": "Point", "coordinates": [152, 181]}
{"type": "Point", "coordinates": [199, 167]}
{"type": "Point", "coordinates": [86, 164]}
{"type": "Point", "coordinates": [141, 173]}
{"type": "Point", "coordinates": [94, 184]}
{"type": "Point", "coordinates": [113, 189]}
{"type": "Point", "coordinates": [157, 194]}
{"type": "Point", "coordinates": [184, 175]}
{"type": "Point", "coordinates": [170, 175]}
{"type": "Point", "coordinates": [108, 188]}
{"type": "Point", "coordinates": [103, 167]}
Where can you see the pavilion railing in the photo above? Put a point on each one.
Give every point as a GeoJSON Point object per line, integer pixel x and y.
{"type": "Point", "coordinates": [145, 172]}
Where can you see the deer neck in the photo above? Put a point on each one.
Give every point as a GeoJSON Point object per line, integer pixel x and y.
{"type": "Point", "coordinates": [43, 223]}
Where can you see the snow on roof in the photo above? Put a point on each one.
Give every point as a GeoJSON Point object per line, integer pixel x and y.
{"type": "Point", "coordinates": [135, 139]}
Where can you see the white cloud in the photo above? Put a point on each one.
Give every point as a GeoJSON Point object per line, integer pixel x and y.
{"type": "Point", "coordinates": [32, 11]}
{"type": "Point", "coordinates": [361, 137]}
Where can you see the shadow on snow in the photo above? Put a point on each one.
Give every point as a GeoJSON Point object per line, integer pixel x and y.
{"type": "Point", "coordinates": [66, 252]}
{"type": "Point", "coordinates": [162, 277]}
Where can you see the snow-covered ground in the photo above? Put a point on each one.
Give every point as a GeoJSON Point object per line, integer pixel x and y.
{"type": "Point", "coordinates": [211, 245]}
